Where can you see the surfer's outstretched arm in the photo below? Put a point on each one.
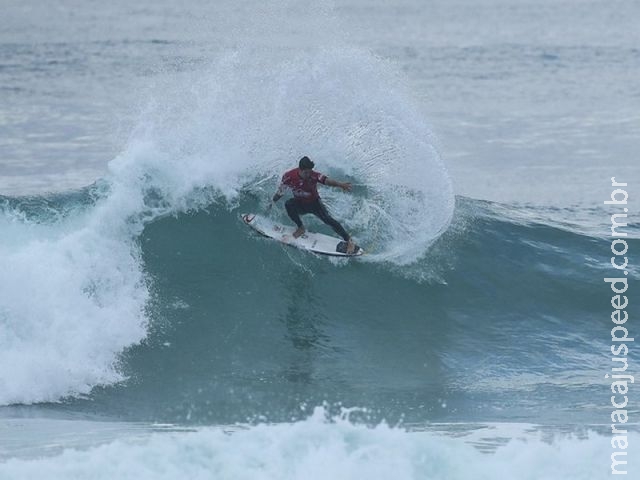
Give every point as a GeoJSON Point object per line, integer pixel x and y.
{"type": "Point", "coordinates": [346, 186]}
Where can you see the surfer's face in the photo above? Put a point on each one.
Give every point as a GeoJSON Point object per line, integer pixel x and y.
{"type": "Point", "coordinates": [305, 173]}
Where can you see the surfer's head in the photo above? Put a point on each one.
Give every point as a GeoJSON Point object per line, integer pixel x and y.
{"type": "Point", "coordinates": [306, 164]}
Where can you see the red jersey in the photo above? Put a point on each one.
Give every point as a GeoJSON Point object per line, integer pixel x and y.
{"type": "Point", "coordinates": [303, 190]}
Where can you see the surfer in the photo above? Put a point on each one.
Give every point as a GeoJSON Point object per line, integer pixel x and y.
{"type": "Point", "coordinates": [302, 182]}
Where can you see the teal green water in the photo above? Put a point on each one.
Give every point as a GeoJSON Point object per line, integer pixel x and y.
{"type": "Point", "coordinates": [503, 319]}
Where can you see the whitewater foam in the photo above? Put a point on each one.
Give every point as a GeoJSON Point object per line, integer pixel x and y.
{"type": "Point", "coordinates": [242, 121]}
{"type": "Point", "coordinates": [72, 298]}
{"type": "Point", "coordinates": [318, 448]}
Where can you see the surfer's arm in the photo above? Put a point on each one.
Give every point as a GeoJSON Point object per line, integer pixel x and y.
{"type": "Point", "coordinates": [346, 186]}
{"type": "Point", "coordinates": [280, 192]}
{"type": "Point", "coordinates": [277, 196]}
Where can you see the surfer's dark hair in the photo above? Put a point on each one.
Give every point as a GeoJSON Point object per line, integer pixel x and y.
{"type": "Point", "coordinates": [306, 163]}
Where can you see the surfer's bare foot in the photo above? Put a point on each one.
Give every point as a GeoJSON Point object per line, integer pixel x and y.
{"type": "Point", "coordinates": [299, 232]}
{"type": "Point", "coordinates": [350, 247]}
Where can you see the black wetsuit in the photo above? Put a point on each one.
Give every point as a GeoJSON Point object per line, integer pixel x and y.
{"type": "Point", "coordinates": [295, 208]}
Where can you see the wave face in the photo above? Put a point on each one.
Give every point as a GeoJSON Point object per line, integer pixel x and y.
{"type": "Point", "coordinates": [81, 281]}
{"type": "Point", "coordinates": [184, 315]}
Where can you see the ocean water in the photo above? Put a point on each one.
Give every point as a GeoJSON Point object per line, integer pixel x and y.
{"type": "Point", "coordinates": [145, 332]}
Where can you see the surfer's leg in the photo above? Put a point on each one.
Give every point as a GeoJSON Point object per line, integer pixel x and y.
{"type": "Point", "coordinates": [292, 210]}
{"type": "Point", "coordinates": [321, 212]}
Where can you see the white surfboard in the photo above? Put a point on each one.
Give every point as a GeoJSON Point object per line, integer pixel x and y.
{"type": "Point", "coordinates": [315, 242]}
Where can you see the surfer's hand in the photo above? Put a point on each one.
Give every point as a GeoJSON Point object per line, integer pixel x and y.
{"type": "Point", "coordinates": [346, 186]}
